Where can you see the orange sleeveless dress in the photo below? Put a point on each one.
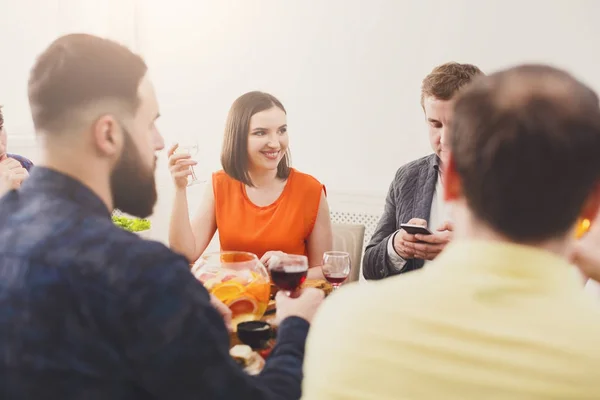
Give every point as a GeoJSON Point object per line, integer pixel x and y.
{"type": "Point", "coordinates": [284, 225]}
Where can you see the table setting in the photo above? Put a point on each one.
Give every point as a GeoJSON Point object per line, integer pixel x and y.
{"type": "Point", "coordinates": [248, 287]}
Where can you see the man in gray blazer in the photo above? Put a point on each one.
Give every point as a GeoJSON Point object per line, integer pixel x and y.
{"type": "Point", "coordinates": [415, 195]}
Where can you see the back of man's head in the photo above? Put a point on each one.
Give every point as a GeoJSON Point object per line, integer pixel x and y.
{"type": "Point", "coordinates": [79, 76]}
{"type": "Point", "coordinates": [525, 143]}
{"type": "Point", "coordinates": [96, 108]}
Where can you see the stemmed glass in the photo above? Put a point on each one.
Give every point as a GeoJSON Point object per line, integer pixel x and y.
{"type": "Point", "coordinates": [336, 267]}
{"type": "Point", "coordinates": [191, 148]}
{"type": "Point", "coordinates": [288, 272]}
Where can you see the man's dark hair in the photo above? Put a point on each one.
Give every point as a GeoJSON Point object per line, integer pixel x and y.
{"type": "Point", "coordinates": [526, 145]}
{"type": "Point", "coordinates": [78, 70]}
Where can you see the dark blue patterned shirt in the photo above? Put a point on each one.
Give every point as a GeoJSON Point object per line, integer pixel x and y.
{"type": "Point", "coordinates": [90, 311]}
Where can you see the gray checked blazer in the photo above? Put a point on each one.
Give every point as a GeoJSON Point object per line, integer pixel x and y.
{"type": "Point", "coordinates": [409, 196]}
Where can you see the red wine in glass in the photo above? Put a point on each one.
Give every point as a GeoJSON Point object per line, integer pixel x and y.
{"type": "Point", "coordinates": [336, 267]}
{"type": "Point", "coordinates": [289, 277]}
{"type": "Point", "coordinates": [336, 278]}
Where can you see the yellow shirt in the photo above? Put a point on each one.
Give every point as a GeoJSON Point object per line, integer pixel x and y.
{"type": "Point", "coordinates": [485, 321]}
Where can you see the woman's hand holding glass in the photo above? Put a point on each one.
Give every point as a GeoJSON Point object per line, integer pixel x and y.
{"type": "Point", "coordinates": [181, 165]}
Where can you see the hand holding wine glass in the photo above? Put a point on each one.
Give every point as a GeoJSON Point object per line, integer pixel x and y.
{"type": "Point", "coordinates": [181, 164]}
{"type": "Point", "coordinates": [288, 271]}
{"type": "Point", "coordinates": [304, 305]}
{"type": "Point", "coordinates": [336, 267]}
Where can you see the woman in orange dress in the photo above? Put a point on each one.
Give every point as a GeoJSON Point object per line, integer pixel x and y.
{"type": "Point", "coordinates": [258, 202]}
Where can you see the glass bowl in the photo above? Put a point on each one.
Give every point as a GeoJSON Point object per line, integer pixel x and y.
{"type": "Point", "coordinates": [239, 280]}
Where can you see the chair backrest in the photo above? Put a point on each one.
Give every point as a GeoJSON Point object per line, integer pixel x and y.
{"type": "Point", "coordinates": [349, 238]}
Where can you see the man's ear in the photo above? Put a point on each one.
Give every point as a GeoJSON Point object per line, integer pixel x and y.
{"type": "Point", "coordinates": [107, 136]}
{"type": "Point", "coordinates": [452, 183]}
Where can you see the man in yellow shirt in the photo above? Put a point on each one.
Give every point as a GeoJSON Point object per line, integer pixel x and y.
{"type": "Point", "coordinates": [501, 313]}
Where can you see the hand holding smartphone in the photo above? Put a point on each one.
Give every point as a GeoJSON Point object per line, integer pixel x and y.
{"type": "Point", "coordinates": [415, 229]}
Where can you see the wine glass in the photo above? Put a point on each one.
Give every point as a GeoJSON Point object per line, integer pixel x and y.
{"type": "Point", "coordinates": [191, 148]}
{"type": "Point", "coordinates": [336, 267]}
{"type": "Point", "coordinates": [288, 272]}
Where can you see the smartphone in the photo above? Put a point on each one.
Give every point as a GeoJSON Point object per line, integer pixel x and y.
{"type": "Point", "coordinates": [414, 229]}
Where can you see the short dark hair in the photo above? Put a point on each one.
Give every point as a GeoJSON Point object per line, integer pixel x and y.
{"type": "Point", "coordinates": [445, 80]}
{"type": "Point", "coordinates": [77, 70]}
{"type": "Point", "coordinates": [234, 154]}
{"type": "Point", "coordinates": [526, 146]}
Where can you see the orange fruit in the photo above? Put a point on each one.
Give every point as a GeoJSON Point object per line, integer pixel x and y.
{"type": "Point", "coordinates": [261, 291]}
{"type": "Point", "coordinates": [228, 291]}
{"type": "Point", "coordinates": [243, 305]}
{"type": "Point", "coordinates": [210, 283]}
{"type": "Point", "coordinates": [228, 277]}
{"type": "Point", "coordinates": [205, 276]}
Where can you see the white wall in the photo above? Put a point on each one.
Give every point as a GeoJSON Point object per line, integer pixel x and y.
{"type": "Point", "coordinates": [29, 26]}
{"type": "Point", "coordinates": [348, 71]}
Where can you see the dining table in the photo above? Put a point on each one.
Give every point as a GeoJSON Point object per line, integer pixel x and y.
{"type": "Point", "coordinates": [270, 313]}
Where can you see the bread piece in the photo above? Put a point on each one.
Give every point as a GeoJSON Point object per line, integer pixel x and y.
{"type": "Point", "coordinates": [249, 360]}
{"type": "Point", "coordinates": [242, 354]}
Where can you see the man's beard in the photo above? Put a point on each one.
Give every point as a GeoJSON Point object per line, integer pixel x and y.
{"type": "Point", "coordinates": [133, 186]}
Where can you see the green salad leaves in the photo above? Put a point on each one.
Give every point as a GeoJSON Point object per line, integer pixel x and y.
{"type": "Point", "coordinates": [131, 224]}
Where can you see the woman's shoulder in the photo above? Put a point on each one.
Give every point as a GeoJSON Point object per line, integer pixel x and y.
{"type": "Point", "coordinates": [305, 181]}
{"type": "Point", "coordinates": [304, 177]}
{"type": "Point", "coordinates": [224, 186]}
{"type": "Point", "coordinates": [220, 174]}
{"type": "Point", "coordinates": [221, 177]}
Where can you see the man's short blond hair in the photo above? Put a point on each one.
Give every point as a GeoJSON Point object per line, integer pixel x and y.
{"type": "Point", "coordinates": [447, 79]}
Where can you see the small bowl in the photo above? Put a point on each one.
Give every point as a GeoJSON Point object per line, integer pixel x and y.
{"type": "Point", "coordinates": [255, 334]}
